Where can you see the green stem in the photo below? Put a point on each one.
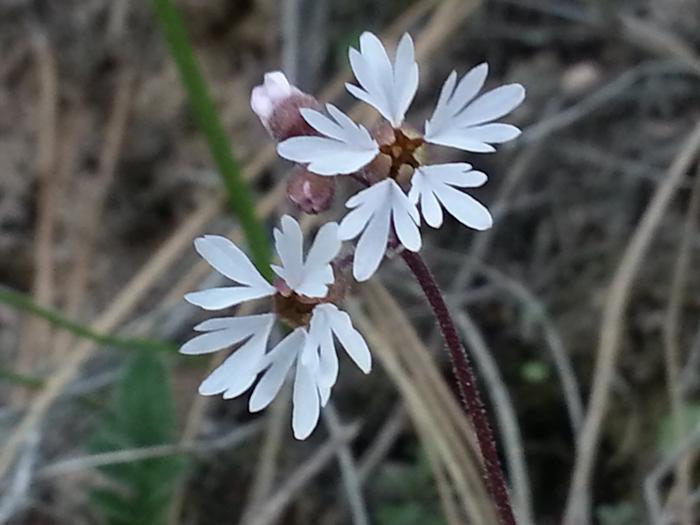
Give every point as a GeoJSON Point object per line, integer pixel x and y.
{"type": "Point", "coordinates": [205, 114]}
{"type": "Point", "coordinates": [20, 379]}
{"type": "Point", "coordinates": [24, 302]}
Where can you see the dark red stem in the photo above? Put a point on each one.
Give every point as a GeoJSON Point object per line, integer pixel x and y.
{"type": "Point", "coordinates": [469, 392]}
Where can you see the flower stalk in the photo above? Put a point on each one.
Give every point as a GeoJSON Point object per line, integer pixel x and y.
{"type": "Point", "coordinates": [468, 390]}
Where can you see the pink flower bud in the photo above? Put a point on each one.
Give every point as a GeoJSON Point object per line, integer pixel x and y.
{"type": "Point", "coordinates": [276, 102]}
{"type": "Point", "coordinates": [310, 192]}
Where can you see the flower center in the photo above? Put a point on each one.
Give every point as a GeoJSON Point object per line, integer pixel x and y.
{"type": "Point", "coordinates": [294, 310]}
{"type": "Point", "coordinates": [402, 152]}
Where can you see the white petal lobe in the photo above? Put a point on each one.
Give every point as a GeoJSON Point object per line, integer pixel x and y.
{"type": "Point", "coordinates": [306, 403]}
{"type": "Point", "coordinates": [344, 146]}
{"type": "Point", "coordinates": [243, 323]}
{"type": "Point", "coordinates": [220, 298]}
{"type": "Point", "coordinates": [278, 362]}
{"type": "Point", "coordinates": [289, 243]}
{"type": "Point", "coordinates": [372, 245]}
{"type": "Point", "coordinates": [435, 185]}
{"type": "Point", "coordinates": [229, 260]}
{"type": "Point", "coordinates": [386, 86]}
{"type": "Point", "coordinates": [237, 373]}
{"type": "Point", "coordinates": [350, 338]}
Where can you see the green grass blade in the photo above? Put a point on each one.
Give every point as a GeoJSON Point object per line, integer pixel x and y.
{"type": "Point", "coordinates": [20, 379]}
{"type": "Point", "coordinates": [205, 114]}
{"type": "Point", "coordinates": [24, 302]}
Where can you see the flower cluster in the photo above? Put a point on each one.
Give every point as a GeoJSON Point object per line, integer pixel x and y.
{"type": "Point", "coordinates": [300, 300]}
{"type": "Point", "coordinates": [462, 119]}
{"type": "Point", "coordinates": [398, 190]}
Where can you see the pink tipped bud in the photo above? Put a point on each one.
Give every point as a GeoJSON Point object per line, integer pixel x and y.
{"type": "Point", "coordinates": [276, 102]}
{"type": "Point", "coordinates": [310, 192]}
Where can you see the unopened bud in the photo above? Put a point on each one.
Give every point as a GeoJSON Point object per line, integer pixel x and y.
{"type": "Point", "coordinates": [276, 102]}
{"type": "Point", "coordinates": [310, 192]}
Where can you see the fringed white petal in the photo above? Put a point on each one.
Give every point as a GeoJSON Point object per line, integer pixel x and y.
{"type": "Point", "coordinates": [227, 296]}
{"type": "Point", "coordinates": [238, 372]}
{"type": "Point", "coordinates": [462, 121]}
{"type": "Point", "coordinates": [436, 184]}
{"type": "Point", "coordinates": [386, 86]}
{"type": "Point", "coordinates": [223, 332]}
{"type": "Point", "coordinates": [344, 146]}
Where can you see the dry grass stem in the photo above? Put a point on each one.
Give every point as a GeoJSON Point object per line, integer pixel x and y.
{"type": "Point", "coordinates": [288, 490]}
{"type": "Point", "coordinates": [577, 510]}
{"type": "Point", "coordinates": [37, 333]}
{"type": "Point", "coordinates": [672, 355]}
{"type": "Point", "coordinates": [91, 205]}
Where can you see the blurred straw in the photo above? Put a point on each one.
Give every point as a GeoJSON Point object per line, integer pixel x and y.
{"type": "Point", "coordinates": [348, 468]}
{"type": "Point", "coordinates": [437, 419]}
{"type": "Point", "coordinates": [293, 485]}
{"type": "Point", "coordinates": [680, 495]}
{"type": "Point", "coordinates": [36, 334]}
{"type": "Point", "coordinates": [577, 510]}
{"type": "Point", "coordinates": [91, 203]}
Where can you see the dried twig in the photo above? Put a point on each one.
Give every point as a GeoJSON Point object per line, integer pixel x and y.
{"type": "Point", "coordinates": [122, 306]}
{"type": "Point", "coordinates": [560, 357]}
{"type": "Point", "coordinates": [597, 100]}
{"type": "Point", "coordinates": [70, 466]}
{"type": "Point", "coordinates": [671, 337]}
{"type": "Point", "coordinates": [91, 206]}
{"type": "Point", "coordinates": [577, 510]}
{"type": "Point", "coordinates": [651, 483]}
{"type": "Point", "coordinates": [37, 332]}
{"type": "Point", "coordinates": [266, 469]}
{"type": "Point", "coordinates": [285, 494]}
{"type": "Point", "coordinates": [348, 468]}
{"type": "Point", "coordinates": [383, 442]}
{"type": "Point", "coordinates": [660, 42]}
{"type": "Point", "coordinates": [16, 494]}
{"type": "Point", "coordinates": [432, 406]}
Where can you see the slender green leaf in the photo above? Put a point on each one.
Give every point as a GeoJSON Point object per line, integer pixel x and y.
{"type": "Point", "coordinates": [24, 302]}
{"type": "Point", "coordinates": [20, 379]}
{"type": "Point", "coordinates": [202, 106]}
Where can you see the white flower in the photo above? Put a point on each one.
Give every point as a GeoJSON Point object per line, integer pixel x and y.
{"type": "Point", "coordinates": [310, 349]}
{"type": "Point", "coordinates": [462, 119]}
{"type": "Point", "coordinates": [376, 209]}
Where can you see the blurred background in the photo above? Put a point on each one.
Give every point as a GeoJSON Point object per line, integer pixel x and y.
{"type": "Point", "coordinates": [580, 307]}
